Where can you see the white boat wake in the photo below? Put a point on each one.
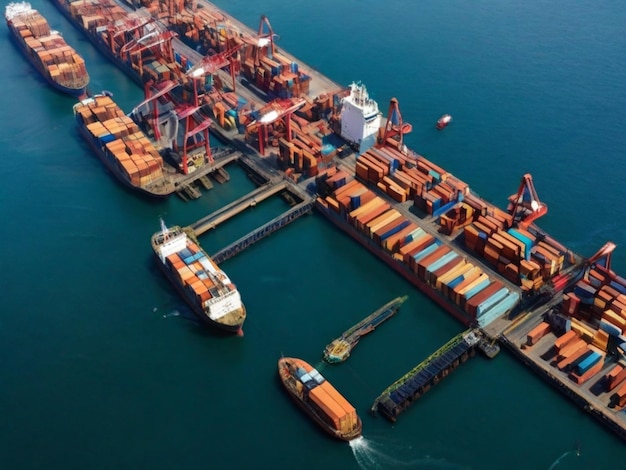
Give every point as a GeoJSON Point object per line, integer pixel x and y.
{"type": "Point", "coordinates": [558, 461]}
{"type": "Point", "coordinates": [370, 455]}
{"type": "Point", "coordinates": [174, 313]}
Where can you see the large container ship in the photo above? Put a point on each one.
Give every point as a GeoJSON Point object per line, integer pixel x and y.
{"type": "Point", "coordinates": [451, 279]}
{"type": "Point", "coordinates": [204, 286]}
{"type": "Point", "coordinates": [339, 349]}
{"type": "Point", "coordinates": [57, 62]}
{"type": "Point", "coordinates": [319, 399]}
{"type": "Point", "coordinates": [122, 146]}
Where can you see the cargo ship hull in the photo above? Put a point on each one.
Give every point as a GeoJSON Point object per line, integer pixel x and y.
{"type": "Point", "coordinates": [113, 168]}
{"type": "Point", "coordinates": [99, 43]}
{"type": "Point", "coordinates": [297, 391]}
{"type": "Point", "coordinates": [43, 72]}
{"type": "Point", "coordinates": [397, 266]}
{"type": "Point", "coordinates": [202, 316]}
{"type": "Point", "coordinates": [206, 289]}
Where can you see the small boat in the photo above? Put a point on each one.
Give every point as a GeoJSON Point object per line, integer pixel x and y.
{"type": "Point", "coordinates": [443, 121]}
{"type": "Point", "coordinates": [339, 349]}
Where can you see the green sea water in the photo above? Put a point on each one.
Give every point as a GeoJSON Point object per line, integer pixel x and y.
{"type": "Point", "coordinates": [103, 365]}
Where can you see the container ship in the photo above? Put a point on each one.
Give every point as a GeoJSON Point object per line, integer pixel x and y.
{"type": "Point", "coordinates": [339, 349]}
{"type": "Point", "coordinates": [451, 279]}
{"type": "Point", "coordinates": [319, 399]}
{"type": "Point", "coordinates": [122, 146]}
{"type": "Point", "coordinates": [57, 62]}
{"type": "Point", "coordinates": [204, 286]}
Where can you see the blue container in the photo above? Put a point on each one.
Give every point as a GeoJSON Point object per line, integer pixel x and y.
{"type": "Point", "coordinates": [499, 309]}
{"type": "Point", "coordinates": [435, 265]}
{"type": "Point", "coordinates": [355, 202]}
{"type": "Point", "coordinates": [185, 253]}
{"type": "Point", "coordinates": [528, 244]}
{"type": "Point", "coordinates": [414, 235]}
{"type": "Point", "coordinates": [294, 67]}
{"type": "Point", "coordinates": [618, 286]}
{"type": "Point", "coordinates": [445, 208]}
{"type": "Point", "coordinates": [610, 328]}
{"type": "Point", "coordinates": [455, 281]}
{"type": "Point", "coordinates": [587, 363]}
{"type": "Point", "coordinates": [106, 138]}
{"type": "Point", "coordinates": [491, 301]}
{"type": "Point", "coordinates": [394, 230]}
{"type": "Point", "coordinates": [426, 251]}
{"type": "Point", "coordinates": [477, 288]}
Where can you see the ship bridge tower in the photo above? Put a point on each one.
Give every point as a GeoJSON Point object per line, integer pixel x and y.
{"type": "Point", "coordinates": [360, 118]}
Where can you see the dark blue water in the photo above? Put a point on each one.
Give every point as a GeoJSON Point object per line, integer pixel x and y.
{"type": "Point", "coordinates": [102, 365]}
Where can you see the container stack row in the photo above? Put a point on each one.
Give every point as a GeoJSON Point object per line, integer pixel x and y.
{"type": "Point", "coordinates": [49, 48]}
{"type": "Point", "coordinates": [121, 140]}
{"type": "Point", "coordinates": [476, 295]}
{"type": "Point", "coordinates": [195, 272]}
{"type": "Point", "coordinates": [112, 24]}
{"type": "Point", "coordinates": [210, 32]}
{"type": "Point", "coordinates": [579, 351]}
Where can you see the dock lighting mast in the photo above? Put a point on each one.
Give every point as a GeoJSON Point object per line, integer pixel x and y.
{"type": "Point", "coordinates": [525, 206]}
{"type": "Point", "coordinates": [394, 126]}
{"type": "Point", "coordinates": [209, 65]}
{"type": "Point", "coordinates": [272, 112]}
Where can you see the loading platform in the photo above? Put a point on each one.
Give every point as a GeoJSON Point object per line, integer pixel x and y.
{"type": "Point", "coordinates": [398, 396]}
{"type": "Point", "coordinates": [249, 200]}
{"type": "Point", "coordinates": [265, 230]}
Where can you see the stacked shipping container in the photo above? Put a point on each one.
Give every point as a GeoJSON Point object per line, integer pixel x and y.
{"type": "Point", "coordinates": [121, 140]}
{"type": "Point", "coordinates": [425, 259]}
{"type": "Point", "coordinates": [50, 51]}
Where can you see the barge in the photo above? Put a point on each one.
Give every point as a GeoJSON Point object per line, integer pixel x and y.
{"type": "Point", "coordinates": [339, 349]}
{"type": "Point", "coordinates": [403, 392]}
{"type": "Point", "coordinates": [319, 399]}
{"type": "Point", "coordinates": [56, 61]}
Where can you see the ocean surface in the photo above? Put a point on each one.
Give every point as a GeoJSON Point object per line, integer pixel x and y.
{"type": "Point", "coordinates": [103, 366]}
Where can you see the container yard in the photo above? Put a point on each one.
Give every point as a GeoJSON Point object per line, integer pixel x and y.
{"type": "Point", "coordinates": [492, 269]}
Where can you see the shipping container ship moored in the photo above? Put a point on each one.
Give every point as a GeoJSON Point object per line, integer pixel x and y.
{"type": "Point", "coordinates": [57, 62]}
{"type": "Point", "coordinates": [122, 146]}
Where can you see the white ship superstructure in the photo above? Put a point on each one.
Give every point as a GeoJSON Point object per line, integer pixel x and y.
{"type": "Point", "coordinates": [360, 118]}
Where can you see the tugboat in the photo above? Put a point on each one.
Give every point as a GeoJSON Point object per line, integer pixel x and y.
{"type": "Point", "coordinates": [443, 121]}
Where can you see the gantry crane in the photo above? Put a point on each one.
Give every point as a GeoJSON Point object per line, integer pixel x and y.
{"type": "Point", "coordinates": [154, 39]}
{"type": "Point", "coordinates": [272, 112]}
{"type": "Point", "coordinates": [394, 126]}
{"type": "Point", "coordinates": [209, 65]}
{"type": "Point", "coordinates": [525, 206]}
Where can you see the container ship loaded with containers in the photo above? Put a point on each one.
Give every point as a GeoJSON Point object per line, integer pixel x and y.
{"type": "Point", "coordinates": [205, 287]}
{"type": "Point", "coordinates": [319, 399]}
{"type": "Point", "coordinates": [122, 146]}
{"type": "Point", "coordinates": [57, 62]}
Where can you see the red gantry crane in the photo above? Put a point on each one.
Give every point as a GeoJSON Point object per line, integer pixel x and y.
{"type": "Point", "coordinates": [272, 112]}
{"type": "Point", "coordinates": [525, 206]}
{"type": "Point", "coordinates": [209, 65]}
{"type": "Point", "coordinates": [394, 126]}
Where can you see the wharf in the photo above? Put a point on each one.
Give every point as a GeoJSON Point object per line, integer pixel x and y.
{"type": "Point", "coordinates": [591, 395]}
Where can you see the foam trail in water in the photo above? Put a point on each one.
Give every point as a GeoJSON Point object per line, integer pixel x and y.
{"type": "Point", "coordinates": [558, 461]}
{"type": "Point", "coordinates": [174, 313]}
{"type": "Point", "coordinates": [370, 456]}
